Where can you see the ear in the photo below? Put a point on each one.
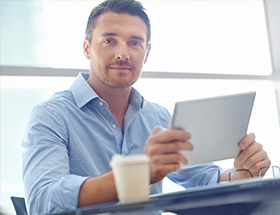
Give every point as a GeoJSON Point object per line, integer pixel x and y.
{"type": "Point", "coordinates": [148, 52]}
{"type": "Point", "coordinates": [86, 48]}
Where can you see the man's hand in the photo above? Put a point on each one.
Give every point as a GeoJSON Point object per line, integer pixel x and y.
{"type": "Point", "coordinates": [252, 158]}
{"type": "Point", "coordinates": [162, 147]}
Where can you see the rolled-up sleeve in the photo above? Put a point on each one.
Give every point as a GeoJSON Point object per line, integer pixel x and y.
{"type": "Point", "coordinates": [206, 174]}
{"type": "Point", "coordinates": [49, 186]}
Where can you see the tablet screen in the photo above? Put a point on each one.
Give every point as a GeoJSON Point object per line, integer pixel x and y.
{"type": "Point", "coordinates": [216, 125]}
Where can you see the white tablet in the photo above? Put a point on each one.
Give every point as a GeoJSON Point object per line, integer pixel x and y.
{"type": "Point", "coordinates": [216, 125]}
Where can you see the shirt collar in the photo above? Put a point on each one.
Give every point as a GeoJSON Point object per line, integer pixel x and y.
{"type": "Point", "coordinates": [81, 90]}
{"type": "Point", "coordinates": [83, 93]}
{"type": "Point", "coordinates": [136, 99]}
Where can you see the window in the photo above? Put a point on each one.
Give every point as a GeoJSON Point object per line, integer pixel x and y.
{"type": "Point", "coordinates": [188, 36]}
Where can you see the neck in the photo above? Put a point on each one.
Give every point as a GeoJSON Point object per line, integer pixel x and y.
{"type": "Point", "coordinates": [117, 99]}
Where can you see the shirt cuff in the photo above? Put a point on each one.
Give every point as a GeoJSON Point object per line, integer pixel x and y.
{"type": "Point", "coordinates": [217, 175]}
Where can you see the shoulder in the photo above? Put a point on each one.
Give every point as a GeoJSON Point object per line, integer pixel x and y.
{"type": "Point", "coordinates": [147, 105]}
{"type": "Point", "coordinates": [156, 112]}
{"type": "Point", "coordinates": [56, 106]}
{"type": "Point", "coordinates": [58, 100]}
{"type": "Point", "coordinates": [50, 118]}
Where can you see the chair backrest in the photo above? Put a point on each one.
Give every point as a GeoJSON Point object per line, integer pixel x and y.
{"type": "Point", "coordinates": [19, 205]}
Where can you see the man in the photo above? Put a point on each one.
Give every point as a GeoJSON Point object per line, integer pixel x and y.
{"type": "Point", "coordinates": [71, 138]}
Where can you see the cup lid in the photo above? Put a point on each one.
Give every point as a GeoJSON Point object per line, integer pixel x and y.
{"type": "Point", "coordinates": [131, 159]}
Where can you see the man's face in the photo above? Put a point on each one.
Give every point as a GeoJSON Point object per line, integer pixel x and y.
{"type": "Point", "coordinates": [118, 49]}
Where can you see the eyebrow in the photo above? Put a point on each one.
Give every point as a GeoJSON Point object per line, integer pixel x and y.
{"type": "Point", "coordinates": [138, 38]}
{"type": "Point", "coordinates": [108, 34]}
{"type": "Point", "coordinates": [114, 34]}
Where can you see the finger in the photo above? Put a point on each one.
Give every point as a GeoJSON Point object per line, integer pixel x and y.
{"type": "Point", "coordinates": [170, 135]}
{"type": "Point", "coordinates": [248, 152]}
{"type": "Point", "coordinates": [175, 147]}
{"type": "Point", "coordinates": [168, 159]}
{"type": "Point", "coordinates": [158, 172]}
{"type": "Point", "coordinates": [252, 162]}
{"type": "Point", "coordinates": [161, 165]}
{"type": "Point", "coordinates": [172, 147]}
{"type": "Point", "coordinates": [156, 130]}
{"type": "Point", "coordinates": [259, 166]}
{"type": "Point", "coordinates": [247, 141]}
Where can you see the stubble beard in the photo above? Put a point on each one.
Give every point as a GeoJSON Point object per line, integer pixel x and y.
{"type": "Point", "coordinates": [116, 83]}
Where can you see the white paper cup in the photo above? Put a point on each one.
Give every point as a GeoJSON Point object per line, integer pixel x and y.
{"type": "Point", "coordinates": [132, 177]}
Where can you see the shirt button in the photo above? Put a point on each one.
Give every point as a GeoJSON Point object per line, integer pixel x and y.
{"type": "Point", "coordinates": [101, 103]}
{"type": "Point", "coordinates": [114, 126]}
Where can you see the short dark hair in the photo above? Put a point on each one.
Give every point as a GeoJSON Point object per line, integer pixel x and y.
{"type": "Point", "coordinates": [130, 7]}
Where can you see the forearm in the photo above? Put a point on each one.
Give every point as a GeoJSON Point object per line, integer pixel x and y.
{"type": "Point", "coordinates": [98, 190]}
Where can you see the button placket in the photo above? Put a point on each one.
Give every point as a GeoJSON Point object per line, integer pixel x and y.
{"type": "Point", "coordinates": [104, 109]}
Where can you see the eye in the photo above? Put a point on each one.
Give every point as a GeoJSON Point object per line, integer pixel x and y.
{"type": "Point", "coordinates": [108, 41]}
{"type": "Point", "coordinates": [134, 43]}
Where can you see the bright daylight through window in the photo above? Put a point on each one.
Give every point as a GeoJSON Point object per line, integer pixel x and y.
{"type": "Point", "coordinates": [188, 36]}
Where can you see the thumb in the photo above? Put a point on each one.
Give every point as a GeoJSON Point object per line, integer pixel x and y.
{"type": "Point", "coordinates": [156, 130]}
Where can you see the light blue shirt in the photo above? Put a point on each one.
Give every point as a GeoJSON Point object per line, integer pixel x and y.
{"type": "Point", "coordinates": [73, 136]}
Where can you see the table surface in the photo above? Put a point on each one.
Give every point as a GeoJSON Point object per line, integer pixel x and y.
{"type": "Point", "coordinates": [254, 197]}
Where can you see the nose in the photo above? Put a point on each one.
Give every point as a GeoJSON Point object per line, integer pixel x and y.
{"type": "Point", "coordinates": [122, 52]}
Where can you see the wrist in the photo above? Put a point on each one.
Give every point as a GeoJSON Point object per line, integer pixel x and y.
{"type": "Point", "coordinates": [239, 174]}
{"type": "Point", "coordinates": [235, 174]}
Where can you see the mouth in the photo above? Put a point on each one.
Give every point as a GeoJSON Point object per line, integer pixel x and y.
{"type": "Point", "coordinates": [119, 68]}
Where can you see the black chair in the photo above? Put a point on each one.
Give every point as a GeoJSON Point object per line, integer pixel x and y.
{"type": "Point", "coordinates": [19, 205]}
